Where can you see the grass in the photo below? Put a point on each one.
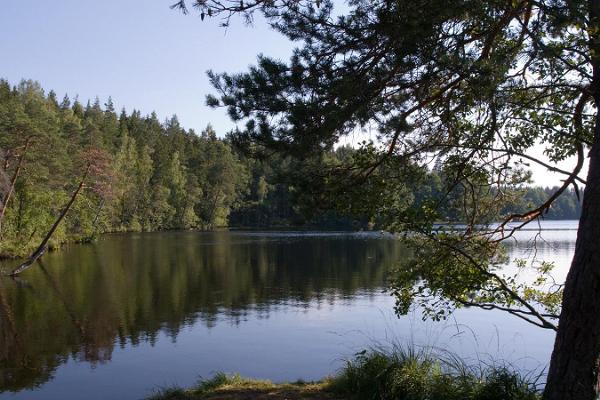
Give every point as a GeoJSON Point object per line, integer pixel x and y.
{"type": "Point", "coordinates": [234, 387]}
{"type": "Point", "coordinates": [413, 375]}
{"type": "Point", "coordinates": [375, 375]}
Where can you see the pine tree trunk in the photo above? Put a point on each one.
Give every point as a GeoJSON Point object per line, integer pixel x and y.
{"type": "Point", "coordinates": [575, 361]}
{"type": "Point", "coordinates": [575, 364]}
{"type": "Point", "coordinates": [42, 247]}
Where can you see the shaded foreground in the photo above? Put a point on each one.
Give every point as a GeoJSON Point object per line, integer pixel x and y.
{"type": "Point", "coordinates": [376, 375]}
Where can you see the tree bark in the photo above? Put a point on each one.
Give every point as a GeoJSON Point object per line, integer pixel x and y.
{"type": "Point", "coordinates": [575, 364]}
{"type": "Point", "coordinates": [575, 361]}
{"type": "Point", "coordinates": [42, 247]}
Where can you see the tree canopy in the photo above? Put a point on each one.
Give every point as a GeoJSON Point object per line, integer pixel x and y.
{"type": "Point", "coordinates": [158, 175]}
{"type": "Point", "coordinates": [469, 85]}
{"type": "Point", "coordinates": [154, 176]}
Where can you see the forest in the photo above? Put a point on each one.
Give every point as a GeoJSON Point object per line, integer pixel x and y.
{"type": "Point", "coordinates": [149, 175]}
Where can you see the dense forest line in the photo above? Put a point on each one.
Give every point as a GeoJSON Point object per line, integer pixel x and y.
{"type": "Point", "coordinates": [153, 176]}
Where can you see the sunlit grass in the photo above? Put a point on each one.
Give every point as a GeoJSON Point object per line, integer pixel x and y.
{"type": "Point", "coordinates": [396, 374]}
{"type": "Point", "coordinates": [234, 386]}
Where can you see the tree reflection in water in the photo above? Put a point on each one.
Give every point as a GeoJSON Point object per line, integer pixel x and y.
{"type": "Point", "coordinates": [82, 301]}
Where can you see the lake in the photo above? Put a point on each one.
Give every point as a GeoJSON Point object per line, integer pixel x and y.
{"type": "Point", "coordinates": [120, 317]}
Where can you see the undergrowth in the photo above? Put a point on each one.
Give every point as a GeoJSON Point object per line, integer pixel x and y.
{"type": "Point", "coordinates": [377, 374]}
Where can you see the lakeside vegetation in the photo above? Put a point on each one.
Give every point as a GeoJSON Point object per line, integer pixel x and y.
{"type": "Point", "coordinates": [233, 387]}
{"type": "Point", "coordinates": [459, 99]}
{"type": "Point", "coordinates": [159, 175]}
{"type": "Point", "coordinates": [375, 375]}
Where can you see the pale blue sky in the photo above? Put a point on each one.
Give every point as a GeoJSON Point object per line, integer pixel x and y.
{"type": "Point", "coordinates": [140, 52]}
{"type": "Point", "coordinates": [143, 54]}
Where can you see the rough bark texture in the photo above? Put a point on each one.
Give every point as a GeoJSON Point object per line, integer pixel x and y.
{"type": "Point", "coordinates": [573, 372]}
{"type": "Point", "coordinates": [575, 363]}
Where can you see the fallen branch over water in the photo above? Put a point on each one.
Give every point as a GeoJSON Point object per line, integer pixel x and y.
{"type": "Point", "coordinates": [41, 249]}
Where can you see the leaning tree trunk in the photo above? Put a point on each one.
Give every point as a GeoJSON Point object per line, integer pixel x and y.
{"type": "Point", "coordinates": [575, 364]}
{"type": "Point", "coordinates": [42, 247]}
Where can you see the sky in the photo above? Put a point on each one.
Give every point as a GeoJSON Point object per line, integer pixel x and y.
{"type": "Point", "coordinates": [142, 54]}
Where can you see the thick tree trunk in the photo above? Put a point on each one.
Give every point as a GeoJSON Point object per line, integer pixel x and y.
{"type": "Point", "coordinates": [42, 247]}
{"type": "Point", "coordinates": [575, 364]}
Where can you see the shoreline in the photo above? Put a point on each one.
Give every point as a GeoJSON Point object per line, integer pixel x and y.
{"type": "Point", "coordinates": [375, 374]}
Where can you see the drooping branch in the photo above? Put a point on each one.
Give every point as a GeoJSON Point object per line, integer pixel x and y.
{"type": "Point", "coordinates": [449, 91]}
{"type": "Point", "coordinates": [499, 280]}
{"type": "Point", "coordinates": [570, 180]}
{"type": "Point", "coordinates": [524, 315]}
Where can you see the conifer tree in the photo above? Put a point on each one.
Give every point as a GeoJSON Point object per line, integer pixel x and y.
{"type": "Point", "coordinates": [474, 84]}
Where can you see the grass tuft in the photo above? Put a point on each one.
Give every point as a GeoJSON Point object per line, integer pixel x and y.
{"type": "Point", "coordinates": [395, 374]}
{"type": "Point", "coordinates": [412, 375]}
{"type": "Point", "coordinates": [170, 393]}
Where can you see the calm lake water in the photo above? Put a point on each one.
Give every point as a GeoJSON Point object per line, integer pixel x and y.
{"type": "Point", "coordinates": [120, 317]}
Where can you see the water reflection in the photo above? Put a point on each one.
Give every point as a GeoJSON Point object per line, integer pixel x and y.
{"type": "Point", "coordinates": [116, 318]}
{"type": "Point", "coordinates": [84, 302]}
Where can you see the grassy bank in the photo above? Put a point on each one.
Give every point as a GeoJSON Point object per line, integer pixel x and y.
{"type": "Point", "coordinates": [375, 375]}
{"type": "Point", "coordinates": [224, 386]}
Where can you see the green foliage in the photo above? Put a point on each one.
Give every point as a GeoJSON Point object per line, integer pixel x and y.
{"type": "Point", "coordinates": [235, 386]}
{"type": "Point", "coordinates": [380, 375]}
{"type": "Point", "coordinates": [168, 178]}
{"type": "Point", "coordinates": [417, 375]}
{"type": "Point", "coordinates": [447, 272]}
{"type": "Point", "coordinates": [170, 393]}
{"type": "Point", "coordinates": [469, 89]}
{"type": "Point", "coordinates": [164, 176]}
